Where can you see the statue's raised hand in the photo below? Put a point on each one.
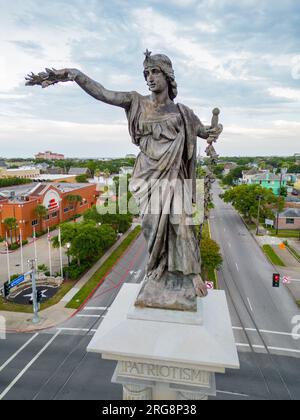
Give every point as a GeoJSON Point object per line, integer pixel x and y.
{"type": "Point", "coordinates": [50, 77]}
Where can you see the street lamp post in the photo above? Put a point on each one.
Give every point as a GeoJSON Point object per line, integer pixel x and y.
{"type": "Point", "coordinates": [32, 265]}
{"type": "Point", "coordinates": [68, 248]}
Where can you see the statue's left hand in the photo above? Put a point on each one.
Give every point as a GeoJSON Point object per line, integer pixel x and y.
{"type": "Point", "coordinates": [215, 132]}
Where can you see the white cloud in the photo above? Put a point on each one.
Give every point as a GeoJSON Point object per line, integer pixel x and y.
{"type": "Point", "coordinates": [285, 93]}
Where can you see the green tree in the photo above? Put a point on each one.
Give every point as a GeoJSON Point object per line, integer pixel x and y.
{"type": "Point", "coordinates": [244, 199]}
{"type": "Point", "coordinates": [210, 255]}
{"type": "Point", "coordinates": [218, 170]}
{"type": "Point", "coordinates": [234, 175]}
{"type": "Point", "coordinates": [10, 224]}
{"type": "Point", "coordinates": [91, 241]}
{"type": "Point", "coordinates": [82, 179]}
{"type": "Point", "coordinates": [41, 212]}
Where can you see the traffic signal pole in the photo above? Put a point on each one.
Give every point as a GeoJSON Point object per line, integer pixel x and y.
{"type": "Point", "coordinates": [32, 266]}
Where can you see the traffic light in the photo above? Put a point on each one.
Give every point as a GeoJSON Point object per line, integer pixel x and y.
{"type": "Point", "coordinates": [39, 296]}
{"type": "Point", "coordinates": [6, 289]}
{"type": "Point", "coordinates": [276, 280]}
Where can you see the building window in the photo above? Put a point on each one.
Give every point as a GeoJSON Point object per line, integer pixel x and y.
{"type": "Point", "coordinates": [66, 210]}
{"type": "Point", "coordinates": [34, 222]}
{"type": "Point", "coordinates": [290, 221]}
{"type": "Point", "coordinates": [54, 215]}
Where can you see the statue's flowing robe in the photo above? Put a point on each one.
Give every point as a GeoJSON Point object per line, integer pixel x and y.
{"type": "Point", "coordinates": [159, 184]}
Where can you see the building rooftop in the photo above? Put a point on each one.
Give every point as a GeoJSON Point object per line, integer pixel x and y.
{"type": "Point", "coordinates": [290, 213]}
{"type": "Point", "coordinates": [79, 171]}
{"type": "Point", "coordinates": [52, 177]}
{"type": "Point", "coordinates": [16, 194]}
{"type": "Point", "coordinates": [267, 177]}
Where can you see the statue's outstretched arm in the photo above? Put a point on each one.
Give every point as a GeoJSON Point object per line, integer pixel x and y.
{"type": "Point", "coordinates": [93, 88]}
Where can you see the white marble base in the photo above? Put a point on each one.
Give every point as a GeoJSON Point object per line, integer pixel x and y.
{"type": "Point", "coordinates": [163, 360]}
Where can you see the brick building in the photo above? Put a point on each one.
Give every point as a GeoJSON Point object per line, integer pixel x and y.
{"type": "Point", "coordinates": [21, 202]}
{"type": "Point", "coordinates": [289, 219]}
{"type": "Point", "coordinates": [49, 156]}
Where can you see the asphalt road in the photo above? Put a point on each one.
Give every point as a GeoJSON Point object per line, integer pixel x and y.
{"type": "Point", "coordinates": [54, 364]}
{"type": "Point", "coordinates": [262, 316]}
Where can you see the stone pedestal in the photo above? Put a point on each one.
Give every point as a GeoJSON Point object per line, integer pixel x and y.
{"type": "Point", "coordinates": [167, 355]}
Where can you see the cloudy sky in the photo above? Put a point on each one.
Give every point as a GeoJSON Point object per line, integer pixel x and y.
{"type": "Point", "coordinates": [241, 56]}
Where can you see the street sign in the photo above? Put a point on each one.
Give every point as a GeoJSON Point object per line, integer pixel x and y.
{"type": "Point", "coordinates": [286, 280]}
{"type": "Point", "coordinates": [210, 285]}
{"type": "Point", "coordinates": [269, 222]}
{"type": "Point", "coordinates": [16, 282]}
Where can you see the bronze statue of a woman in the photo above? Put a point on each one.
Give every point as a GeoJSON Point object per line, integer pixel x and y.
{"type": "Point", "coordinates": [166, 134]}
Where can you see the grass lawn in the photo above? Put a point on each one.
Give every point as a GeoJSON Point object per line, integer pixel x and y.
{"type": "Point", "coordinates": [285, 233]}
{"type": "Point", "coordinates": [13, 307]}
{"type": "Point", "coordinates": [273, 257]}
{"type": "Point", "coordinates": [94, 281]}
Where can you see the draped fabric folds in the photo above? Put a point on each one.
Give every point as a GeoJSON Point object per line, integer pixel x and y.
{"type": "Point", "coordinates": [159, 184]}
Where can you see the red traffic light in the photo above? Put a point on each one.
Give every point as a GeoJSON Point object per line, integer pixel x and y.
{"type": "Point", "coordinates": [276, 280]}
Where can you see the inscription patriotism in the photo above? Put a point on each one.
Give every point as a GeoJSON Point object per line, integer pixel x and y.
{"type": "Point", "coordinates": [171, 374]}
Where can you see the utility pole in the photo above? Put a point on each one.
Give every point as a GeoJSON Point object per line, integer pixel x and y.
{"type": "Point", "coordinates": [282, 172]}
{"type": "Point", "coordinates": [258, 213]}
{"type": "Point", "coordinates": [32, 267]}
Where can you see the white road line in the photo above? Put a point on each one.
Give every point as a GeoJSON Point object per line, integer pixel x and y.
{"type": "Point", "coordinates": [280, 333]}
{"type": "Point", "coordinates": [77, 329]}
{"type": "Point", "coordinates": [267, 332]}
{"type": "Point", "coordinates": [237, 267]}
{"type": "Point", "coordinates": [233, 393]}
{"type": "Point", "coordinates": [250, 304]}
{"type": "Point", "coordinates": [13, 383]}
{"type": "Point", "coordinates": [89, 316]}
{"type": "Point", "coordinates": [284, 350]}
{"type": "Point", "coordinates": [17, 353]}
{"type": "Point", "coordinates": [90, 308]}
{"type": "Point", "coordinates": [229, 244]}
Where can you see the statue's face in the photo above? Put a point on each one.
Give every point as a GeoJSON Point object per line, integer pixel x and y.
{"type": "Point", "coordinates": [156, 79]}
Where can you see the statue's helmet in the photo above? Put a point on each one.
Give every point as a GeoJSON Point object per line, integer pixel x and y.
{"type": "Point", "coordinates": [166, 66]}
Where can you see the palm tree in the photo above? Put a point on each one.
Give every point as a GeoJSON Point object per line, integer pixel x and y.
{"type": "Point", "coordinates": [74, 200]}
{"type": "Point", "coordinates": [11, 224]}
{"type": "Point", "coordinates": [41, 213]}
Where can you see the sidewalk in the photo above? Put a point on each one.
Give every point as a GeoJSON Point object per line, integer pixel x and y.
{"type": "Point", "coordinates": [57, 314]}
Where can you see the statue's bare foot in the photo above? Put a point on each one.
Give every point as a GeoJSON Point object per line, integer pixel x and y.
{"type": "Point", "coordinates": [200, 287]}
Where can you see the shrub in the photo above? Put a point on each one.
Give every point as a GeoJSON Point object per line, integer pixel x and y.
{"type": "Point", "coordinates": [25, 242]}
{"type": "Point", "coordinates": [14, 247]}
{"type": "Point", "coordinates": [43, 267]}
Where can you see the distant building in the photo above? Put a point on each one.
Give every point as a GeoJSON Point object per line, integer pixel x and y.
{"type": "Point", "coordinates": [21, 202]}
{"type": "Point", "coordinates": [228, 167]}
{"type": "Point", "coordinates": [80, 171]}
{"type": "Point", "coordinates": [270, 181]}
{"type": "Point", "coordinates": [250, 174]}
{"type": "Point", "coordinates": [26, 172]}
{"type": "Point", "coordinates": [55, 178]}
{"type": "Point", "coordinates": [49, 156]}
{"type": "Point", "coordinates": [3, 164]}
